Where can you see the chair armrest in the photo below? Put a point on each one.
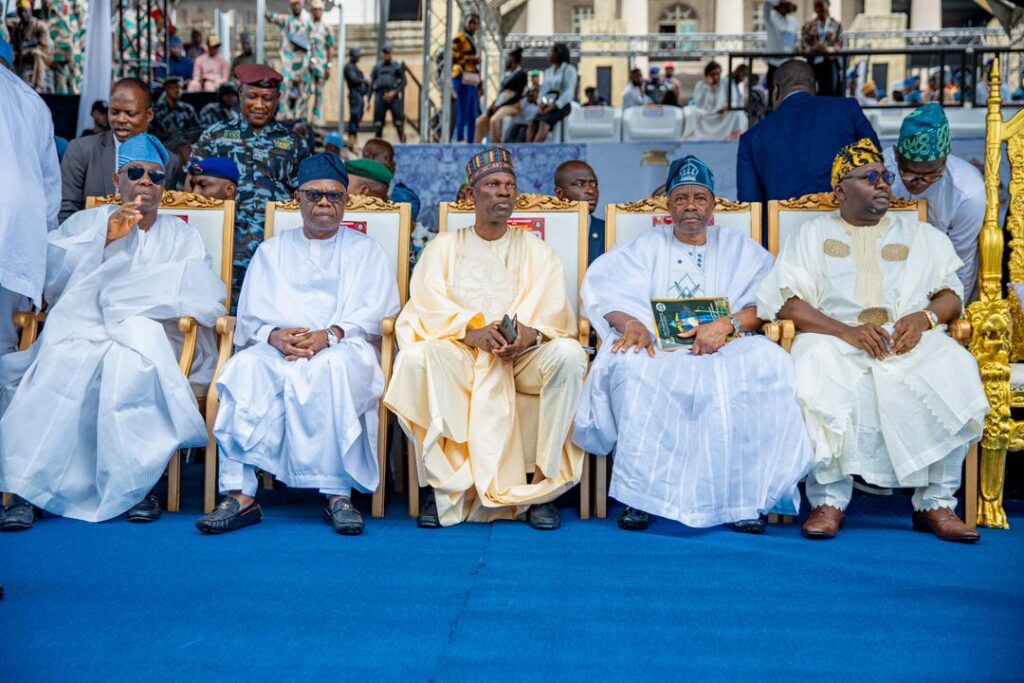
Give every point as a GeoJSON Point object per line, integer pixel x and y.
{"type": "Point", "coordinates": [190, 328]}
{"type": "Point", "coordinates": [960, 330]}
{"type": "Point", "coordinates": [773, 331]}
{"type": "Point", "coordinates": [584, 337]}
{"type": "Point", "coordinates": [781, 332]}
{"type": "Point", "coordinates": [387, 326]}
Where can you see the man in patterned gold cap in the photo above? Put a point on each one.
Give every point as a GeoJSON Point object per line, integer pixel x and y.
{"type": "Point", "coordinates": [458, 380]}
{"type": "Point", "coordinates": [886, 394]}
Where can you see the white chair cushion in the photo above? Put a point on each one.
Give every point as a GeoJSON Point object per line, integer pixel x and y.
{"type": "Point", "coordinates": [652, 123]}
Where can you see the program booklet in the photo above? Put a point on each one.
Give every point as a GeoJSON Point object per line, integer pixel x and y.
{"type": "Point", "coordinates": [672, 317]}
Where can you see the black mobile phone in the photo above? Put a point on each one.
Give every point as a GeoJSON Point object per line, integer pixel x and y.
{"type": "Point", "coordinates": [509, 328]}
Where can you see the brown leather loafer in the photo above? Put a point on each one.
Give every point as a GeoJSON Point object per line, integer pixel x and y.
{"type": "Point", "coordinates": [944, 523]}
{"type": "Point", "coordinates": [823, 523]}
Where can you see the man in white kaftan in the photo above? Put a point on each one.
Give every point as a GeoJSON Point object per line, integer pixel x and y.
{"type": "Point", "coordinates": [94, 410]}
{"type": "Point", "coordinates": [29, 199]}
{"type": "Point", "coordinates": [886, 394]}
{"type": "Point", "coordinates": [706, 436]}
{"type": "Point", "coordinates": [301, 399]}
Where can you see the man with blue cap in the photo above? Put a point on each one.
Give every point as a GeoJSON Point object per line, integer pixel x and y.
{"type": "Point", "coordinates": [923, 168]}
{"type": "Point", "coordinates": [99, 397]}
{"type": "Point", "coordinates": [301, 400]}
{"type": "Point", "coordinates": [708, 432]}
{"type": "Point", "coordinates": [215, 178]}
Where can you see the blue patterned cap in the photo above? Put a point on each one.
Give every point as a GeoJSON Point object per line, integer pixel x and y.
{"type": "Point", "coordinates": [324, 166]}
{"type": "Point", "coordinates": [689, 171]}
{"type": "Point", "coordinates": [924, 134]}
{"type": "Point", "coordinates": [142, 147]}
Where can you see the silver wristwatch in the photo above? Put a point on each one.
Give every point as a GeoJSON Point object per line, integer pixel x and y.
{"type": "Point", "coordinates": [332, 337]}
{"type": "Point", "coordinates": [735, 322]}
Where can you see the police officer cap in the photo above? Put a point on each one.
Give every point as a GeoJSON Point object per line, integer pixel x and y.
{"type": "Point", "coordinates": [355, 52]}
{"type": "Point", "coordinates": [259, 75]}
{"type": "Point", "coordinates": [215, 167]}
{"type": "Point", "coordinates": [171, 79]}
{"type": "Point", "coordinates": [386, 47]}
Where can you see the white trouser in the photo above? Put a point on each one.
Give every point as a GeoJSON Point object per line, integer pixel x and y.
{"type": "Point", "coordinates": [943, 482]}
{"type": "Point", "coordinates": [236, 476]}
{"type": "Point", "coordinates": [10, 303]}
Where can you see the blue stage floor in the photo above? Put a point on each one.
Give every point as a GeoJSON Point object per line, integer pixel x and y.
{"type": "Point", "coordinates": [290, 600]}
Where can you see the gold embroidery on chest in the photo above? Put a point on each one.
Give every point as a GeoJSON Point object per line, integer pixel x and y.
{"type": "Point", "coordinates": [895, 252]}
{"type": "Point", "coordinates": [836, 249]}
{"type": "Point", "coordinates": [877, 316]}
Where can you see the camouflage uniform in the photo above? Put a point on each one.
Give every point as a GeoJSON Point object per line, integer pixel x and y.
{"type": "Point", "coordinates": [172, 122]}
{"type": "Point", "coordinates": [136, 34]}
{"type": "Point", "coordinates": [294, 63]}
{"type": "Point", "coordinates": [321, 37]}
{"type": "Point", "coordinates": [67, 31]}
{"type": "Point", "coordinates": [269, 164]}
{"type": "Point", "coordinates": [215, 113]}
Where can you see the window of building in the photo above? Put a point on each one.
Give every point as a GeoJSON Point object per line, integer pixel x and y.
{"type": "Point", "coordinates": [678, 19]}
{"type": "Point", "coordinates": [757, 18]}
{"type": "Point", "coordinates": [580, 14]}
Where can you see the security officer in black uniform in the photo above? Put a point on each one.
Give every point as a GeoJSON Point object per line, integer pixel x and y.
{"type": "Point", "coordinates": [387, 81]}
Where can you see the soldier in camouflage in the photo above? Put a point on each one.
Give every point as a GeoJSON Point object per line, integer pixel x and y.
{"type": "Point", "coordinates": [265, 152]}
{"type": "Point", "coordinates": [223, 110]}
{"type": "Point", "coordinates": [321, 56]}
{"type": "Point", "coordinates": [172, 117]}
{"type": "Point", "coordinates": [296, 33]}
{"type": "Point", "coordinates": [67, 31]}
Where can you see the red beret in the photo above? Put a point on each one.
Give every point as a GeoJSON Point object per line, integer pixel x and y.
{"type": "Point", "coordinates": [260, 75]}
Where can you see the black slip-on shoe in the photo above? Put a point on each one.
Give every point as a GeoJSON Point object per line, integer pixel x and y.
{"type": "Point", "coordinates": [749, 526]}
{"type": "Point", "coordinates": [343, 517]}
{"type": "Point", "coordinates": [544, 517]}
{"type": "Point", "coordinates": [632, 519]}
{"type": "Point", "coordinates": [230, 516]}
{"type": "Point", "coordinates": [428, 518]}
{"type": "Point", "coordinates": [18, 515]}
{"type": "Point", "coordinates": [146, 510]}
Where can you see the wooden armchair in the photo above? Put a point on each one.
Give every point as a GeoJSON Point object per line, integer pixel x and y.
{"type": "Point", "coordinates": [564, 225]}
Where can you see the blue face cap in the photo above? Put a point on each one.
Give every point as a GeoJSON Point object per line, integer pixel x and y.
{"type": "Point", "coordinates": [689, 171]}
{"type": "Point", "coordinates": [143, 147]}
{"type": "Point", "coordinates": [323, 166]}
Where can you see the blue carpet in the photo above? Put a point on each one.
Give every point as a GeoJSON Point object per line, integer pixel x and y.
{"type": "Point", "coordinates": [290, 600]}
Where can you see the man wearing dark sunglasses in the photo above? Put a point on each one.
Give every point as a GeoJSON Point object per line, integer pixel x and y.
{"type": "Point", "coordinates": [953, 188]}
{"type": "Point", "coordinates": [301, 400]}
{"type": "Point", "coordinates": [886, 394]}
{"type": "Point", "coordinates": [106, 405]}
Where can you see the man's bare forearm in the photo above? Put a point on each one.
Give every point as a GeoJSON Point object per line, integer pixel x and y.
{"type": "Point", "coordinates": [809, 319]}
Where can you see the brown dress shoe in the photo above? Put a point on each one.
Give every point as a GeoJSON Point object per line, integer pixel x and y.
{"type": "Point", "coordinates": [944, 523]}
{"type": "Point", "coordinates": [823, 523]}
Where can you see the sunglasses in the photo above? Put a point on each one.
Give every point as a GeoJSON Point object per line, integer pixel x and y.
{"type": "Point", "coordinates": [315, 196]}
{"type": "Point", "coordinates": [135, 174]}
{"type": "Point", "coordinates": [873, 177]}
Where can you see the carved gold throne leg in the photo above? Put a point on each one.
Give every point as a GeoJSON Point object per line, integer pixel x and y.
{"type": "Point", "coordinates": [990, 505]}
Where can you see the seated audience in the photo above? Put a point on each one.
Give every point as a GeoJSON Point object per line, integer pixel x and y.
{"type": "Point", "coordinates": [710, 117]}
{"type": "Point", "coordinates": [223, 110]}
{"type": "Point", "coordinates": [383, 151]}
{"type": "Point", "coordinates": [99, 398]}
{"type": "Point", "coordinates": [172, 117]}
{"type": "Point", "coordinates": [211, 70]}
{"type": "Point", "coordinates": [100, 119]}
{"type": "Point", "coordinates": [556, 94]}
{"type": "Point", "coordinates": [923, 168]}
{"type": "Point", "coordinates": [300, 400]}
{"type": "Point", "coordinates": [886, 394]}
{"type": "Point", "coordinates": [456, 376]}
{"type": "Point", "coordinates": [178, 64]}
{"type": "Point", "coordinates": [705, 436]}
{"type": "Point", "coordinates": [592, 98]}
{"type": "Point", "coordinates": [634, 94]}
{"type": "Point", "coordinates": [576, 180]}
{"type": "Point", "coordinates": [507, 103]}
{"type": "Point", "coordinates": [214, 178]}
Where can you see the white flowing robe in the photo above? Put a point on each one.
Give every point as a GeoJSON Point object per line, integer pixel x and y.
{"type": "Point", "coordinates": [885, 420]}
{"type": "Point", "coordinates": [705, 121]}
{"type": "Point", "coordinates": [703, 440]}
{"type": "Point", "coordinates": [29, 198]}
{"type": "Point", "coordinates": [311, 422]}
{"type": "Point", "coordinates": [97, 406]}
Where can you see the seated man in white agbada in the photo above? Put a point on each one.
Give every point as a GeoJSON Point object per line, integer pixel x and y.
{"type": "Point", "coordinates": [300, 400]}
{"type": "Point", "coordinates": [886, 394]}
{"type": "Point", "coordinates": [98, 405]}
{"type": "Point", "coordinates": [705, 436]}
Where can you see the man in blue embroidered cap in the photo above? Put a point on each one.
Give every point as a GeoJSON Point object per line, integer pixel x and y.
{"type": "Point", "coordinates": [709, 433]}
{"type": "Point", "coordinates": [215, 178]}
{"type": "Point", "coordinates": [119, 278]}
{"type": "Point", "coordinates": [301, 401]}
{"type": "Point", "coordinates": [923, 168]}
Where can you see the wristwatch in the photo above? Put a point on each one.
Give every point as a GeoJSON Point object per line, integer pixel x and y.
{"type": "Point", "coordinates": [332, 337]}
{"type": "Point", "coordinates": [735, 322]}
{"type": "Point", "coordinates": [933, 319]}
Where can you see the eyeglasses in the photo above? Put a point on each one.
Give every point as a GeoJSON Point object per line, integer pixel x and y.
{"type": "Point", "coordinates": [316, 195]}
{"type": "Point", "coordinates": [873, 177]}
{"type": "Point", "coordinates": [135, 173]}
{"type": "Point", "coordinates": [924, 177]}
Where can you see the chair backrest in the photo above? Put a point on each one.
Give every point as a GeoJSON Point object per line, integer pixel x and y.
{"type": "Point", "coordinates": [623, 222]}
{"type": "Point", "coordinates": [652, 122]}
{"type": "Point", "coordinates": [561, 223]}
{"type": "Point", "coordinates": [213, 219]}
{"type": "Point", "coordinates": [593, 124]}
{"type": "Point", "coordinates": [388, 223]}
{"type": "Point", "coordinates": [787, 215]}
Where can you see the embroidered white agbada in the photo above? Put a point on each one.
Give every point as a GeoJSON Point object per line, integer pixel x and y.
{"type": "Point", "coordinates": [29, 198]}
{"type": "Point", "coordinates": [97, 406]}
{"type": "Point", "coordinates": [703, 440]}
{"type": "Point", "coordinates": [311, 422]}
{"type": "Point", "coordinates": [885, 420]}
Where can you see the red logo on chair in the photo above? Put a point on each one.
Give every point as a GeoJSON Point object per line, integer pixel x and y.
{"type": "Point", "coordinates": [182, 217]}
{"type": "Point", "coordinates": [534, 225]}
{"type": "Point", "coordinates": [358, 226]}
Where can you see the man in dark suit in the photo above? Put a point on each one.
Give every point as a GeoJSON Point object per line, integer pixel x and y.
{"type": "Point", "coordinates": [87, 169]}
{"type": "Point", "coordinates": [576, 181]}
{"type": "Point", "coordinates": [789, 153]}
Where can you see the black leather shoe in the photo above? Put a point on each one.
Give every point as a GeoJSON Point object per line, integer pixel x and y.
{"type": "Point", "coordinates": [632, 519]}
{"type": "Point", "coordinates": [229, 516]}
{"type": "Point", "coordinates": [544, 517]}
{"type": "Point", "coordinates": [147, 510]}
{"type": "Point", "coordinates": [428, 518]}
{"type": "Point", "coordinates": [343, 517]}
{"type": "Point", "coordinates": [749, 526]}
{"type": "Point", "coordinates": [19, 514]}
